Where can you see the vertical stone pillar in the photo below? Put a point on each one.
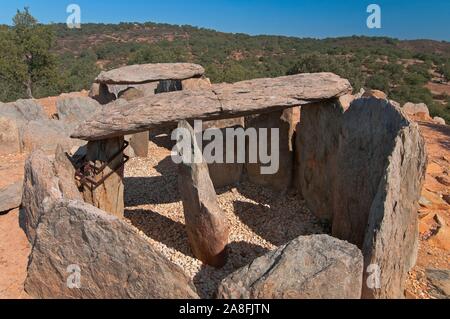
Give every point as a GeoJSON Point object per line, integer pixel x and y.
{"type": "Point", "coordinates": [109, 196]}
{"type": "Point", "coordinates": [286, 121]}
{"type": "Point", "coordinates": [206, 223]}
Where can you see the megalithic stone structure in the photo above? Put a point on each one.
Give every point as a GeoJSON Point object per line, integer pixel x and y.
{"type": "Point", "coordinates": [107, 156]}
{"type": "Point", "coordinates": [206, 223]}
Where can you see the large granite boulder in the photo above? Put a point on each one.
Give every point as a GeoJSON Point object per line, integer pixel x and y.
{"type": "Point", "coordinates": [310, 267]}
{"type": "Point", "coordinates": [83, 252]}
{"type": "Point", "coordinates": [11, 197]}
{"type": "Point", "coordinates": [46, 178]}
{"type": "Point", "coordinates": [9, 136]}
{"type": "Point", "coordinates": [206, 223]}
{"type": "Point", "coordinates": [419, 109]}
{"type": "Point", "coordinates": [74, 110]}
{"type": "Point", "coordinates": [365, 174]}
{"type": "Point", "coordinates": [46, 135]}
{"type": "Point", "coordinates": [286, 122]}
{"type": "Point", "coordinates": [23, 111]}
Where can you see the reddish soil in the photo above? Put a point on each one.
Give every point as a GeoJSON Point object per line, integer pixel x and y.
{"type": "Point", "coordinates": [14, 252]}
{"type": "Point", "coordinates": [434, 212]}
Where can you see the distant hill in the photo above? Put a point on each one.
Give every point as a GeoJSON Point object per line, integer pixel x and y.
{"type": "Point", "coordinates": [403, 69]}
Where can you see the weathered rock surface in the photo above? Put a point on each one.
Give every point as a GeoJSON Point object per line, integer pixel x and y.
{"type": "Point", "coordinates": [286, 122]}
{"type": "Point", "coordinates": [139, 141]}
{"type": "Point", "coordinates": [225, 174]}
{"type": "Point", "coordinates": [316, 155]}
{"type": "Point", "coordinates": [113, 261]}
{"type": "Point", "coordinates": [74, 110]}
{"type": "Point", "coordinates": [206, 223]}
{"type": "Point", "coordinates": [440, 279]}
{"type": "Point", "coordinates": [196, 84]}
{"type": "Point", "coordinates": [11, 197]}
{"type": "Point", "coordinates": [137, 74]}
{"type": "Point", "coordinates": [46, 135]}
{"type": "Point", "coordinates": [420, 110]}
{"type": "Point", "coordinates": [376, 94]}
{"type": "Point", "coordinates": [9, 136]}
{"type": "Point", "coordinates": [365, 174]}
{"type": "Point", "coordinates": [225, 101]}
{"type": "Point", "coordinates": [23, 111]}
{"type": "Point", "coordinates": [109, 195]}
{"type": "Point", "coordinates": [439, 120]}
{"type": "Point", "coordinates": [44, 181]}
{"type": "Point", "coordinates": [310, 267]}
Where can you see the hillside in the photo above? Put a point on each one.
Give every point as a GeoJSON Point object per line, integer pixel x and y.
{"type": "Point", "coordinates": [415, 71]}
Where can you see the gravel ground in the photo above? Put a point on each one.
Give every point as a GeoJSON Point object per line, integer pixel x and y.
{"type": "Point", "coordinates": [259, 220]}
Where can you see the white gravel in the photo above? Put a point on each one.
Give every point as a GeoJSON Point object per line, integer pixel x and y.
{"type": "Point", "coordinates": [259, 219]}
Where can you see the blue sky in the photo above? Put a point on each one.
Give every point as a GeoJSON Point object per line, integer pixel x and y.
{"type": "Point", "coordinates": [402, 19]}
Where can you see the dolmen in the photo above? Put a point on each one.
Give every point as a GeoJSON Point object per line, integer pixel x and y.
{"type": "Point", "coordinates": [359, 167]}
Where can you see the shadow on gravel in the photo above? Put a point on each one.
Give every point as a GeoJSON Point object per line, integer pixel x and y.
{"type": "Point", "coordinates": [161, 229]}
{"type": "Point", "coordinates": [150, 190]}
{"type": "Point", "coordinates": [272, 226]}
{"type": "Point", "coordinates": [239, 255]}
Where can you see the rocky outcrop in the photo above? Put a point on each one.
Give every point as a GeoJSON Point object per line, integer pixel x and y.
{"type": "Point", "coordinates": [286, 122]}
{"type": "Point", "coordinates": [420, 110]}
{"type": "Point", "coordinates": [11, 197]}
{"type": "Point", "coordinates": [311, 267]}
{"type": "Point", "coordinates": [206, 223]}
{"type": "Point", "coordinates": [224, 101]}
{"type": "Point", "coordinates": [46, 179]}
{"type": "Point", "coordinates": [104, 258]}
{"type": "Point", "coordinates": [364, 174]}
{"type": "Point", "coordinates": [138, 74]}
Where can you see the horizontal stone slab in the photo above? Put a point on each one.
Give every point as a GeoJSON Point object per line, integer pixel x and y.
{"type": "Point", "coordinates": [223, 101]}
{"type": "Point", "coordinates": [144, 73]}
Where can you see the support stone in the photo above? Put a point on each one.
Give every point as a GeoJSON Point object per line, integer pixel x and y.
{"type": "Point", "coordinates": [109, 196]}
{"type": "Point", "coordinates": [206, 223]}
{"type": "Point", "coordinates": [286, 122]}
{"type": "Point", "coordinates": [225, 174]}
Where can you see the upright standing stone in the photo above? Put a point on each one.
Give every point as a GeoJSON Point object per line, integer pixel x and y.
{"type": "Point", "coordinates": [363, 169]}
{"type": "Point", "coordinates": [225, 174]}
{"type": "Point", "coordinates": [206, 223]}
{"type": "Point", "coordinates": [316, 150]}
{"type": "Point", "coordinates": [286, 122]}
{"type": "Point", "coordinates": [109, 195]}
